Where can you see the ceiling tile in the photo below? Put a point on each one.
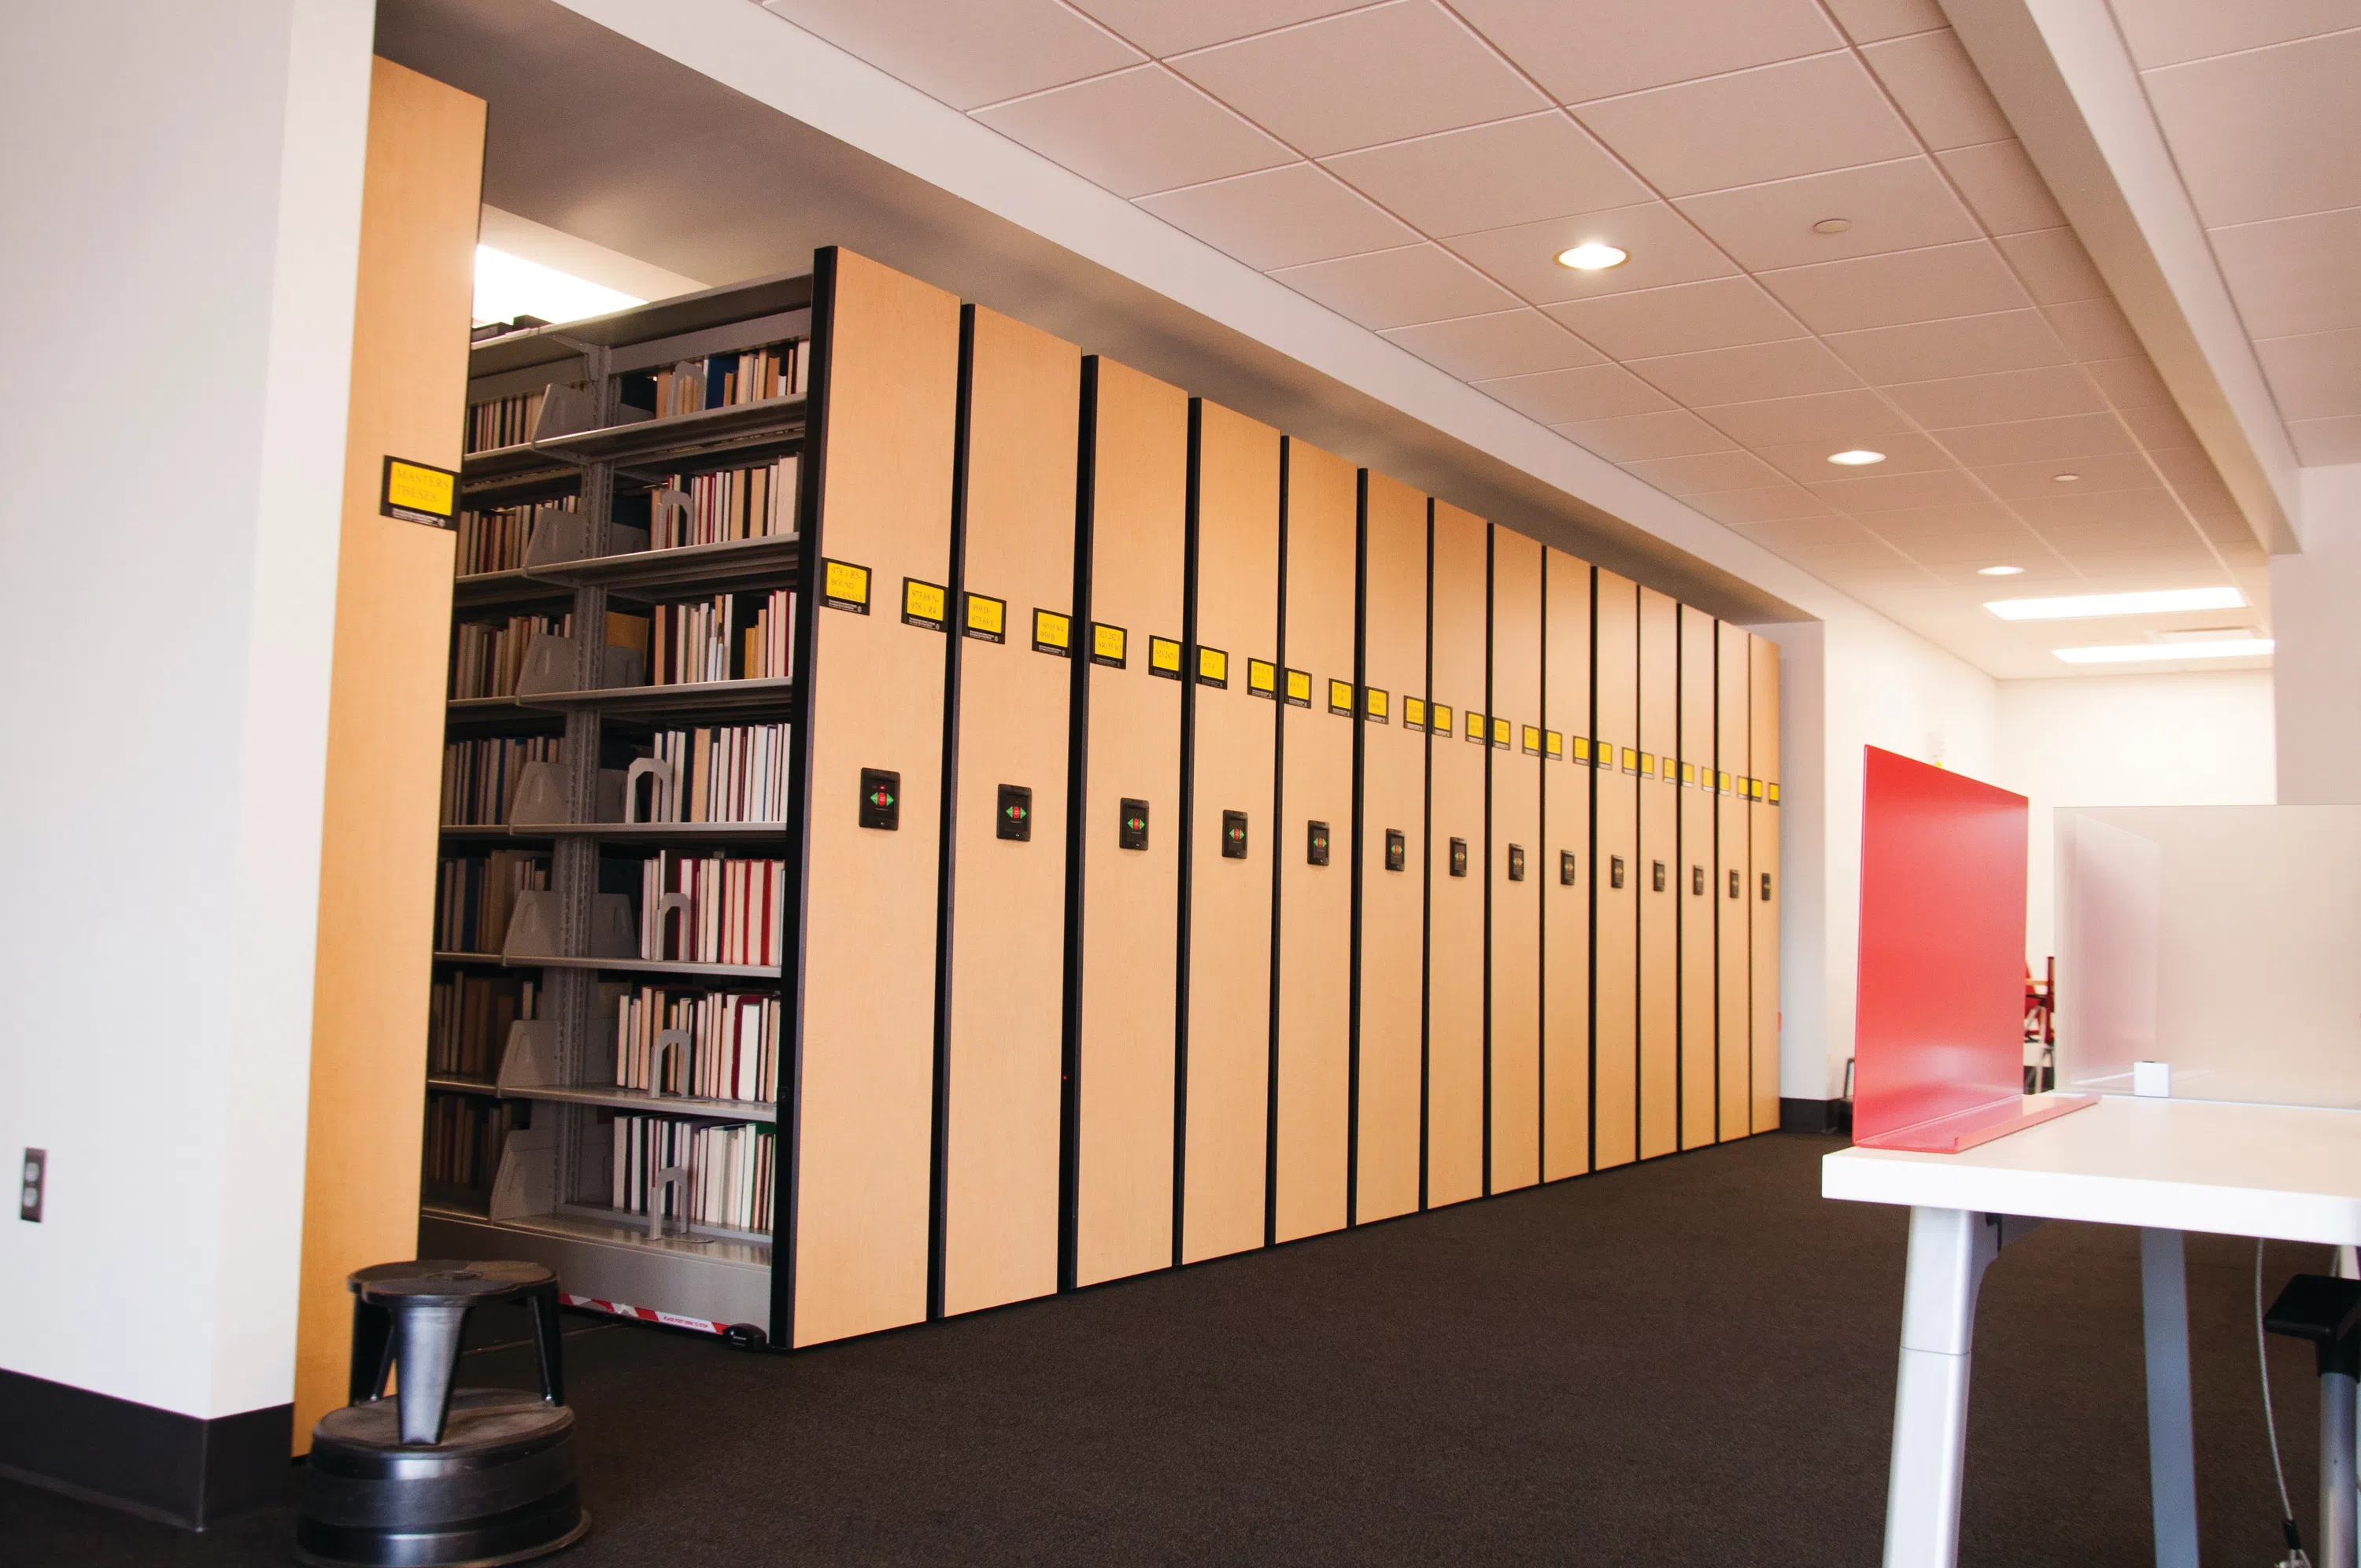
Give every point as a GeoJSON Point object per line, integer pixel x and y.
{"type": "Point", "coordinates": [1378, 75]}
{"type": "Point", "coordinates": [1773, 122]}
{"type": "Point", "coordinates": [2295, 275]}
{"type": "Point", "coordinates": [1837, 419]}
{"type": "Point", "coordinates": [1722, 314]}
{"type": "Point", "coordinates": [1991, 399]}
{"type": "Point", "coordinates": [1674, 433]}
{"type": "Point", "coordinates": [1137, 131]}
{"type": "Point", "coordinates": [2054, 266]}
{"type": "Point", "coordinates": [1280, 217]}
{"type": "Point", "coordinates": [1606, 47]}
{"type": "Point", "coordinates": [1772, 503]}
{"type": "Point", "coordinates": [1981, 519]}
{"type": "Point", "coordinates": [1592, 392]}
{"type": "Point", "coordinates": [2162, 425]}
{"type": "Point", "coordinates": [2184, 466]}
{"type": "Point", "coordinates": [2001, 183]}
{"type": "Point", "coordinates": [1505, 343]}
{"type": "Point", "coordinates": [980, 51]}
{"type": "Point", "coordinates": [1940, 93]}
{"type": "Point", "coordinates": [2323, 441]}
{"type": "Point", "coordinates": [1665, 251]}
{"type": "Point", "coordinates": [2152, 508]}
{"type": "Point", "coordinates": [1906, 286]}
{"type": "Point", "coordinates": [1706, 471]}
{"type": "Point", "coordinates": [2094, 329]}
{"type": "Point", "coordinates": [2039, 480]}
{"type": "Point", "coordinates": [1748, 374]}
{"type": "Point", "coordinates": [2317, 376]}
{"type": "Point", "coordinates": [2035, 440]}
{"type": "Point", "coordinates": [1162, 27]}
{"type": "Point", "coordinates": [1398, 288]}
{"type": "Point", "coordinates": [1891, 492]}
{"type": "Point", "coordinates": [2165, 32]}
{"type": "Point", "coordinates": [2267, 133]}
{"type": "Point", "coordinates": [2130, 383]}
{"type": "Point", "coordinates": [1892, 206]}
{"type": "Point", "coordinates": [1832, 536]}
{"type": "Point", "coordinates": [1487, 177]}
{"type": "Point", "coordinates": [1905, 453]}
{"type": "Point", "coordinates": [1962, 346]}
{"type": "Point", "coordinates": [1866, 21]}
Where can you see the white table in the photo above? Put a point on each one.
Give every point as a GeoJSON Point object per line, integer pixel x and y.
{"type": "Point", "coordinates": [2165, 1166]}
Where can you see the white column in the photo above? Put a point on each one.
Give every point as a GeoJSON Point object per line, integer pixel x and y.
{"type": "Point", "coordinates": [2317, 669]}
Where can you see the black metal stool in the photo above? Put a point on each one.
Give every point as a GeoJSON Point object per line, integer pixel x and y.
{"type": "Point", "coordinates": [2327, 1311]}
{"type": "Point", "coordinates": [436, 1477]}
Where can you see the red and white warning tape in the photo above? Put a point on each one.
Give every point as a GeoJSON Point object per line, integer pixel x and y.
{"type": "Point", "coordinates": [644, 1314]}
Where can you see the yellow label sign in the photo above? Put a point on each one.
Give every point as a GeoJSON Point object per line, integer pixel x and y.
{"type": "Point", "coordinates": [1262, 678]}
{"type": "Point", "coordinates": [1503, 732]}
{"type": "Point", "coordinates": [1533, 739]}
{"type": "Point", "coordinates": [1775, 793]}
{"type": "Point", "coordinates": [1725, 782]}
{"type": "Point", "coordinates": [1688, 772]}
{"type": "Point", "coordinates": [1553, 745]}
{"type": "Point", "coordinates": [1373, 703]}
{"type": "Point", "coordinates": [1298, 686]}
{"type": "Point", "coordinates": [1648, 764]}
{"type": "Point", "coordinates": [1164, 656]}
{"type": "Point", "coordinates": [1340, 696]}
{"type": "Point", "coordinates": [1581, 748]}
{"type": "Point", "coordinates": [844, 586]}
{"type": "Point", "coordinates": [416, 492]}
{"type": "Point", "coordinates": [1213, 666]}
{"type": "Point", "coordinates": [1413, 713]}
{"type": "Point", "coordinates": [1107, 643]}
{"type": "Point", "coordinates": [1631, 761]}
{"type": "Point", "coordinates": [924, 603]}
{"type": "Point", "coordinates": [1474, 726]}
{"type": "Point", "coordinates": [1052, 632]}
{"type": "Point", "coordinates": [1440, 716]}
{"type": "Point", "coordinates": [987, 616]}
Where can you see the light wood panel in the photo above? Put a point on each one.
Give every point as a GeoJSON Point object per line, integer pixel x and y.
{"type": "Point", "coordinates": [1733, 905]}
{"type": "Point", "coordinates": [1125, 1042]}
{"type": "Point", "coordinates": [1513, 868]}
{"type": "Point", "coordinates": [371, 970]}
{"type": "Point", "coordinates": [864, 1079]}
{"type": "Point", "coordinates": [1762, 901]}
{"type": "Point", "coordinates": [1660, 996]}
{"type": "Point", "coordinates": [1226, 1117]}
{"type": "Point", "coordinates": [1616, 872]}
{"type": "Point", "coordinates": [1456, 797]}
{"type": "Point", "coordinates": [1006, 1006]}
{"type": "Point", "coordinates": [1316, 902]}
{"type": "Point", "coordinates": [1693, 890]}
{"type": "Point", "coordinates": [1567, 777]}
{"type": "Point", "coordinates": [1388, 1038]}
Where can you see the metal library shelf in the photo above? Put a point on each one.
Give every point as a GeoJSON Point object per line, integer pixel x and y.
{"type": "Point", "coordinates": [552, 1193]}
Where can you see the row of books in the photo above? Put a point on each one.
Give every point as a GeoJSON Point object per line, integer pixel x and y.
{"type": "Point", "coordinates": [465, 1134]}
{"type": "Point", "coordinates": [733, 1043]}
{"type": "Point", "coordinates": [730, 1170]}
{"type": "Point", "coordinates": [734, 503]}
{"type": "Point", "coordinates": [480, 777]}
{"type": "Point", "coordinates": [467, 1019]}
{"type": "Point", "coordinates": [494, 541]}
{"type": "Point", "coordinates": [718, 380]}
{"type": "Point", "coordinates": [718, 641]}
{"type": "Point", "coordinates": [487, 656]}
{"type": "Point", "coordinates": [727, 911]}
{"type": "Point", "coordinates": [475, 895]}
{"type": "Point", "coordinates": [503, 421]}
{"type": "Point", "coordinates": [721, 774]}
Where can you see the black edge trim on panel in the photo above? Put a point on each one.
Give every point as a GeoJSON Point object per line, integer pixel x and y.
{"type": "Point", "coordinates": [939, 1145]}
{"type": "Point", "coordinates": [1077, 757]}
{"type": "Point", "coordinates": [1491, 717]}
{"type": "Point", "coordinates": [1426, 876]}
{"type": "Point", "coordinates": [1591, 883]}
{"type": "Point", "coordinates": [1193, 493]}
{"type": "Point", "coordinates": [160, 1464]}
{"type": "Point", "coordinates": [1353, 971]}
{"type": "Point", "coordinates": [1542, 843]}
{"type": "Point", "coordinates": [1278, 837]}
{"type": "Point", "coordinates": [811, 504]}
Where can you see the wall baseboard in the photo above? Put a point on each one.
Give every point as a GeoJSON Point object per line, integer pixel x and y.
{"type": "Point", "coordinates": [1815, 1116]}
{"type": "Point", "coordinates": [160, 1464]}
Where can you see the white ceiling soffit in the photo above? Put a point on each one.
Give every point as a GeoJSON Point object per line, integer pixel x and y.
{"type": "Point", "coordinates": [2062, 71]}
{"type": "Point", "coordinates": [1350, 221]}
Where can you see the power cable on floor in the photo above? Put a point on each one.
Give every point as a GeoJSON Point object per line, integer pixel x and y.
{"type": "Point", "coordinates": [2296, 1557]}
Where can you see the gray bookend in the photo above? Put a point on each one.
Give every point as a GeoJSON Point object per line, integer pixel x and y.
{"type": "Point", "coordinates": [667, 903]}
{"type": "Point", "coordinates": [611, 791]}
{"type": "Point", "coordinates": [668, 1041]}
{"type": "Point", "coordinates": [540, 796]}
{"type": "Point", "coordinates": [527, 1183]}
{"type": "Point", "coordinates": [622, 539]}
{"type": "Point", "coordinates": [565, 410]}
{"type": "Point", "coordinates": [621, 667]}
{"type": "Point", "coordinates": [612, 935]}
{"type": "Point", "coordinates": [549, 664]}
{"type": "Point", "coordinates": [664, 785]}
{"type": "Point", "coordinates": [529, 1060]}
{"type": "Point", "coordinates": [533, 926]}
{"type": "Point", "coordinates": [559, 534]}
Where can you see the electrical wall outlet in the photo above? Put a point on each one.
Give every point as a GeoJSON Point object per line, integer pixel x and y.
{"type": "Point", "coordinates": [36, 1174]}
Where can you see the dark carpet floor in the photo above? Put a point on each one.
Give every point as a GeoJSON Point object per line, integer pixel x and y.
{"type": "Point", "coordinates": [1690, 1362]}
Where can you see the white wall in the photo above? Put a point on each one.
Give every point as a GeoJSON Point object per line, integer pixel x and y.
{"type": "Point", "coordinates": [172, 387]}
{"type": "Point", "coordinates": [2198, 739]}
{"type": "Point", "coordinates": [2316, 616]}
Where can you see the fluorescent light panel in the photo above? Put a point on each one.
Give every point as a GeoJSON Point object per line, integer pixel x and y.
{"type": "Point", "coordinates": [508, 285]}
{"type": "Point", "coordinates": [2081, 606]}
{"type": "Point", "coordinates": [2167, 653]}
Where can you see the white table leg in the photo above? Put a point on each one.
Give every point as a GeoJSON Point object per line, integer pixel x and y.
{"type": "Point", "coordinates": [2172, 1456]}
{"type": "Point", "coordinates": [1949, 1249]}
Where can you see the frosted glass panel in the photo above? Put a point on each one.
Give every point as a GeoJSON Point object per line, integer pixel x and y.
{"type": "Point", "coordinates": [2225, 940]}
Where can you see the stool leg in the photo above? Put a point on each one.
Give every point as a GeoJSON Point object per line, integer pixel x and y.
{"type": "Point", "coordinates": [427, 1341]}
{"type": "Point", "coordinates": [372, 1340]}
{"type": "Point", "coordinates": [548, 1344]}
{"type": "Point", "coordinates": [2337, 1366]}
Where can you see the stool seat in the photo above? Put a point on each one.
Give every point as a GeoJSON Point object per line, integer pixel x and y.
{"type": "Point", "coordinates": [476, 1284]}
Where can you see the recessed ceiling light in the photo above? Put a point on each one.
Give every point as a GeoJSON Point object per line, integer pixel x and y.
{"type": "Point", "coordinates": [1999, 571]}
{"type": "Point", "coordinates": [1832, 225]}
{"type": "Point", "coordinates": [1856, 459]}
{"type": "Point", "coordinates": [1592, 256]}
{"type": "Point", "coordinates": [2155, 652]}
{"type": "Point", "coordinates": [2076, 607]}
{"type": "Point", "coordinates": [2064, 479]}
